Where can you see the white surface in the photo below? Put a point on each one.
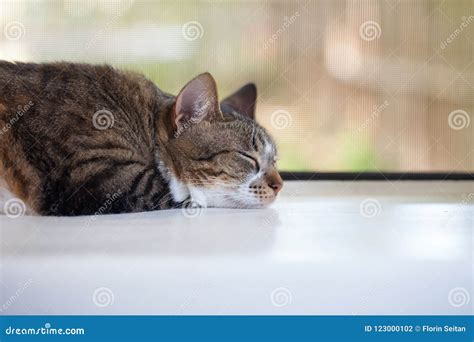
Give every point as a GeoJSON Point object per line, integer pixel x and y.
{"type": "Point", "coordinates": [314, 242]}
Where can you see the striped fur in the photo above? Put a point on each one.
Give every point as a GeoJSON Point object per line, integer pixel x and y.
{"type": "Point", "coordinates": [61, 158]}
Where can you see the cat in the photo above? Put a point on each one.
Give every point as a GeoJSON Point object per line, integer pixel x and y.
{"type": "Point", "coordinates": [80, 139]}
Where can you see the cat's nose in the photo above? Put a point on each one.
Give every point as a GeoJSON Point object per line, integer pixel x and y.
{"type": "Point", "coordinates": [274, 180]}
{"type": "Point", "coordinates": [276, 186]}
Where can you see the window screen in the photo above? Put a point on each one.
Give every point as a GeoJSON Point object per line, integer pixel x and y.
{"type": "Point", "coordinates": [343, 85]}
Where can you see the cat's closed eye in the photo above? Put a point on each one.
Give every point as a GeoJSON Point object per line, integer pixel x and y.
{"type": "Point", "coordinates": [250, 158]}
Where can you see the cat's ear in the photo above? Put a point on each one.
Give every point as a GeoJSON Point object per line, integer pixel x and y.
{"type": "Point", "coordinates": [243, 100]}
{"type": "Point", "coordinates": [197, 101]}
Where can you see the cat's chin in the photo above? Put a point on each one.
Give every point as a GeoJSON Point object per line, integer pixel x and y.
{"type": "Point", "coordinates": [217, 198]}
{"type": "Point", "coordinates": [234, 203]}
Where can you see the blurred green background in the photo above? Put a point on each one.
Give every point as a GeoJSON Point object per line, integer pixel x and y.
{"type": "Point", "coordinates": [343, 85]}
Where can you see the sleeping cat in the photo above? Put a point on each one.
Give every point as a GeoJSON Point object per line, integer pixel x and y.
{"type": "Point", "coordinates": [79, 139]}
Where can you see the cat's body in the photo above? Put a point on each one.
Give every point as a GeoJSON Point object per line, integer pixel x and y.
{"type": "Point", "coordinates": [79, 139]}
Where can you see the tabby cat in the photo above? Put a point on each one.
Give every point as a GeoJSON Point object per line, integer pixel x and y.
{"type": "Point", "coordinates": [80, 139]}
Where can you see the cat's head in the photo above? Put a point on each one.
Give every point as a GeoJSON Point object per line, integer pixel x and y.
{"type": "Point", "coordinates": [216, 153]}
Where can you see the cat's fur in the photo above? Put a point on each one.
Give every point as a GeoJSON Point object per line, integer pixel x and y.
{"type": "Point", "coordinates": [81, 139]}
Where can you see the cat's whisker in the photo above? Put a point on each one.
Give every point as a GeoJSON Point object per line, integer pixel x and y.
{"type": "Point", "coordinates": [127, 148]}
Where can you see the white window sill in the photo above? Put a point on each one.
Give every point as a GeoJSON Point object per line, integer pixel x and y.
{"type": "Point", "coordinates": [314, 247]}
